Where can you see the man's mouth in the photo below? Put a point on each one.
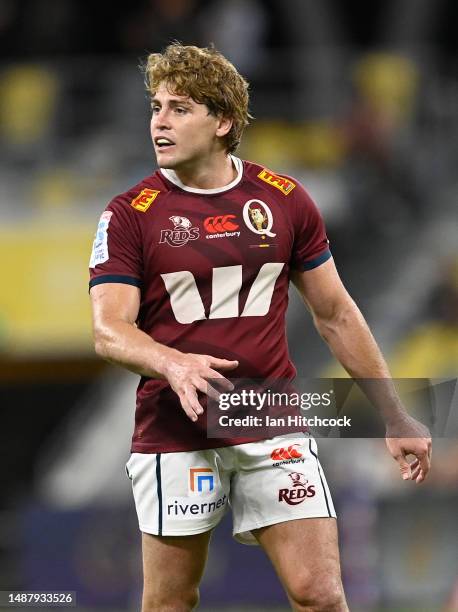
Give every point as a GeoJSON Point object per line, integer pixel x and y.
{"type": "Point", "coordinates": [163, 143]}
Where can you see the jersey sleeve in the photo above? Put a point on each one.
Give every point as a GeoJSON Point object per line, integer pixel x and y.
{"type": "Point", "coordinates": [116, 252]}
{"type": "Point", "coordinates": [311, 245]}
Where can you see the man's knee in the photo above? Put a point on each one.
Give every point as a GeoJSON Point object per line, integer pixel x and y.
{"type": "Point", "coordinates": [317, 593]}
{"type": "Point", "coordinates": [183, 601]}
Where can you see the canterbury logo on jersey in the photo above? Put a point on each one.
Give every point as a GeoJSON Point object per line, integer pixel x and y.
{"type": "Point", "coordinates": [281, 183]}
{"type": "Point", "coordinates": [286, 453]}
{"type": "Point", "coordinates": [220, 223]}
{"type": "Point", "coordinates": [187, 305]}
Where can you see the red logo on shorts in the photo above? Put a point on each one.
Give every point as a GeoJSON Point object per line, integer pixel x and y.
{"type": "Point", "coordinates": [300, 491]}
{"type": "Point", "coordinates": [286, 453]}
{"type": "Point", "coordinates": [220, 223]}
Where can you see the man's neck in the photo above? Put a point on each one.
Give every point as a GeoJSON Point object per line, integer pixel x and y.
{"type": "Point", "coordinates": [217, 172]}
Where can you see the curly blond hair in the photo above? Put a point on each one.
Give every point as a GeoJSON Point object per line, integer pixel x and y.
{"type": "Point", "coordinates": [208, 78]}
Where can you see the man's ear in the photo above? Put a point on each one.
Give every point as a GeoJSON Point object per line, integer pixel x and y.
{"type": "Point", "coordinates": [224, 126]}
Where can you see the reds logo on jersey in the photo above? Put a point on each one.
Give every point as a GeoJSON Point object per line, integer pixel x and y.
{"type": "Point", "coordinates": [182, 232]}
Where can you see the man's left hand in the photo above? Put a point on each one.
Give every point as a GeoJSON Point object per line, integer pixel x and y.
{"type": "Point", "coordinates": [410, 437]}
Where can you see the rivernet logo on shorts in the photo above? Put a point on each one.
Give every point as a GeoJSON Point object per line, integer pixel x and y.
{"type": "Point", "coordinates": [185, 508]}
{"type": "Point", "coordinates": [299, 492]}
{"type": "Point", "coordinates": [287, 455]}
{"type": "Point", "coordinates": [201, 480]}
{"type": "Point", "coordinates": [201, 484]}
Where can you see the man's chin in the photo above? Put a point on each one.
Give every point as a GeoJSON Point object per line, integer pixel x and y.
{"type": "Point", "coordinates": [166, 164]}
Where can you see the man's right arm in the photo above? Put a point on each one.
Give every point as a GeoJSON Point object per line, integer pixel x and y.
{"type": "Point", "coordinates": [115, 308]}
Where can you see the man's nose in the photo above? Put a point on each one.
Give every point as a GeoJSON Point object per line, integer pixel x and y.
{"type": "Point", "coordinates": [162, 119]}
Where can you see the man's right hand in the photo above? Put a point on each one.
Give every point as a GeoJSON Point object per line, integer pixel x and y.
{"type": "Point", "coordinates": [115, 308]}
{"type": "Point", "coordinates": [188, 373]}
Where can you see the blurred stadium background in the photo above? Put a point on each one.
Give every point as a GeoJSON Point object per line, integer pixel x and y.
{"type": "Point", "coordinates": [360, 102]}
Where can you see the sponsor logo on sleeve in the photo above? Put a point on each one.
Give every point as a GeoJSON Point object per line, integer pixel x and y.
{"type": "Point", "coordinates": [144, 199]}
{"type": "Point", "coordinates": [299, 492]}
{"type": "Point", "coordinates": [283, 184]}
{"type": "Point", "coordinates": [181, 234]}
{"type": "Point", "coordinates": [221, 226]}
{"type": "Point", "coordinates": [100, 245]}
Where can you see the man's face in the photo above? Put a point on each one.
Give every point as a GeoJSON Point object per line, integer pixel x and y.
{"type": "Point", "coordinates": [183, 131]}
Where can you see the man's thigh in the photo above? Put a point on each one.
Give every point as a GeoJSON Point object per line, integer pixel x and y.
{"type": "Point", "coordinates": [278, 480]}
{"type": "Point", "coordinates": [172, 570]}
{"type": "Point", "coordinates": [305, 555]}
{"type": "Point", "coordinates": [179, 494]}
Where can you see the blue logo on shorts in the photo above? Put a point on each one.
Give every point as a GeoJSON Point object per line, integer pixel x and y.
{"type": "Point", "coordinates": [201, 480]}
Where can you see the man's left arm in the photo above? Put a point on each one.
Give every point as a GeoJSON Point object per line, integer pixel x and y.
{"type": "Point", "coordinates": [341, 324]}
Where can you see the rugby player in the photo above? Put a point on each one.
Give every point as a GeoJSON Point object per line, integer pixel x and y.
{"type": "Point", "coordinates": [189, 284]}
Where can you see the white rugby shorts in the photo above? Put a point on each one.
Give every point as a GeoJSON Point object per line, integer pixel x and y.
{"type": "Point", "coordinates": [264, 482]}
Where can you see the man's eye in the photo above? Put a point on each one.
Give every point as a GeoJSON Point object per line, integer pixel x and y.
{"type": "Point", "coordinates": [180, 110]}
{"type": "Point", "coordinates": [155, 109]}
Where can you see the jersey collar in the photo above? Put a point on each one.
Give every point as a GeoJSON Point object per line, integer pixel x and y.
{"type": "Point", "coordinates": [172, 177]}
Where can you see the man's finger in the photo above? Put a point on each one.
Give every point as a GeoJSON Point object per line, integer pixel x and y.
{"type": "Point", "coordinates": [404, 466]}
{"type": "Point", "coordinates": [415, 472]}
{"type": "Point", "coordinates": [415, 468]}
{"type": "Point", "coordinates": [187, 408]}
{"type": "Point", "coordinates": [206, 388]}
{"type": "Point", "coordinates": [191, 404]}
{"type": "Point", "coordinates": [222, 364]}
{"type": "Point", "coordinates": [425, 462]}
{"type": "Point", "coordinates": [193, 400]}
{"type": "Point", "coordinates": [219, 379]}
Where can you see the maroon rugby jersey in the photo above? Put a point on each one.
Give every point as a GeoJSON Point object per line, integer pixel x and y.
{"type": "Point", "coordinates": [213, 269]}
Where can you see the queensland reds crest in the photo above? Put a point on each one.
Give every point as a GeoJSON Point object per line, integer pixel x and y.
{"type": "Point", "coordinates": [258, 218]}
{"type": "Point", "coordinates": [182, 232]}
{"type": "Point", "coordinates": [300, 491]}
